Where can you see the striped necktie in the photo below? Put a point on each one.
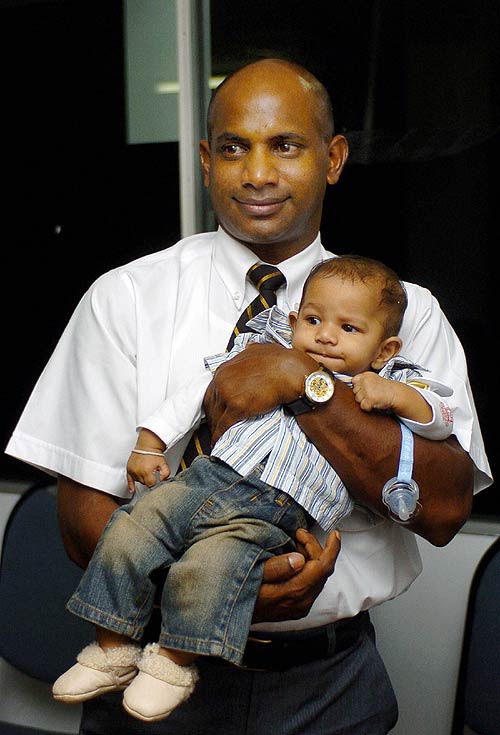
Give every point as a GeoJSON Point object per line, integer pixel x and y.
{"type": "Point", "coordinates": [266, 279]}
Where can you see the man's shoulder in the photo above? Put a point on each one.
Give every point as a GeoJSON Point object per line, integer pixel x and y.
{"type": "Point", "coordinates": [161, 272]}
{"type": "Point", "coordinates": [419, 297]}
{"type": "Point", "coordinates": [423, 316]}
{"type": "Point", "coordinates": [189, 253]}
{"type": "Point", "coordinates": [182, 251]}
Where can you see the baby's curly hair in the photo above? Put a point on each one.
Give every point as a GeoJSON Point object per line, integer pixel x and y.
{"type": "Point", "coordinates": [393, 298]}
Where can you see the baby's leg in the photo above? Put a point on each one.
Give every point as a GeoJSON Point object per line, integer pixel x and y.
{"type": "Point", "coordinates": [109, 639]}
{"type": "Point", "coordinates": [182, 658]}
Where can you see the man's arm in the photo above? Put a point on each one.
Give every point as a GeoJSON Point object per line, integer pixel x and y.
{"type": "Point", "coordinates": [363, 447]}
{"type": "Point", "coordinates": [83, 513]}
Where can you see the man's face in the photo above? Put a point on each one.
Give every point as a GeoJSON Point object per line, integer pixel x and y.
{"type": "Point", "coordinates": [268, 163]}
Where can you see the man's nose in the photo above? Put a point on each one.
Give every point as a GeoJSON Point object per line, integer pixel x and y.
{"type": "Point", "coordinates": [260, 168]}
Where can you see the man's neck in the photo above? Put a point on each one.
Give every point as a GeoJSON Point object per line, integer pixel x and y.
{"type": "Point", "coordinates": [275, 253]}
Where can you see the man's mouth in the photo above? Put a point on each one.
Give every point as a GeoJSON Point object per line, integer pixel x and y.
{"type": "Point", "coordinates": [261, 207]}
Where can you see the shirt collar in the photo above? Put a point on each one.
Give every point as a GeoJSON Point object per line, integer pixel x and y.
{"type": "Point", "coordinates": [274, 325]}
{"type": "Point", "coordinates": [232, 259]}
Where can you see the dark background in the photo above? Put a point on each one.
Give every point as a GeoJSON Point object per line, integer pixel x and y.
{"type": "Point", "coordinates": [415, 89]}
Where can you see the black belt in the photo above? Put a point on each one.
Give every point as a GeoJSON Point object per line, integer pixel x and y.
{"type": "Point", "coordinates": [281, 651]}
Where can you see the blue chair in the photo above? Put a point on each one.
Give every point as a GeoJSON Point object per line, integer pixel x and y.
{"type": "Point", "coordinates": [477, 704]}
{"type": "Point", "coordinates": [37, 635]}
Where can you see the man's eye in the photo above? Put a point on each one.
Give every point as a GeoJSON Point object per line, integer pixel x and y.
{"type": "Point", "coordinates": [287, 149]}
{"type": "Point", "coordinates": [230, 150]}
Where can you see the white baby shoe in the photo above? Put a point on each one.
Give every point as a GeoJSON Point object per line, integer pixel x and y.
{"type": "Point", "coordinates": [98, 670]}
{"type": "Point", "coordinates": [159, 687]}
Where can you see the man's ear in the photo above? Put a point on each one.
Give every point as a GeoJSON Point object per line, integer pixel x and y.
{"type": "Point", "coordinates": [389, 348]}
{"type": "Point", "coordinates": [292, 319]}
{"type": "Point", "coordinates": [205, 161]}
{"type": "Point", "coordinates": [338, 152]}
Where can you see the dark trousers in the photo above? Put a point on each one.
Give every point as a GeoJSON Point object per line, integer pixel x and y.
{"type": "Point", "coordinates": [344, 693]}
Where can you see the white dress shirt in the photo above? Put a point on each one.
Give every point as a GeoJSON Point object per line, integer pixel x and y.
{"type": "Point", "coordinates": [142, 329]}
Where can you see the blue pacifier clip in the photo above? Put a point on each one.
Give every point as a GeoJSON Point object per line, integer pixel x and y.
{"type": "Point", "coordinates": [400, 494]}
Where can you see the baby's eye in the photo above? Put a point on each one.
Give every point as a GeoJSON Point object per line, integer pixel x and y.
{"type": "Point", "coordinates": [314, 320]}
{"type": "Point", "coordinates": [349, 328]}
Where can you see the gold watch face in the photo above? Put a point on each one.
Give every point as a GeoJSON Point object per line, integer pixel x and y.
{"type": "Point", "coordinates": [319, 386]}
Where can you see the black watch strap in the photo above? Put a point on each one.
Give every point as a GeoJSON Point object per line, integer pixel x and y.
{"type": "Point", "coordinates": [299, 406]}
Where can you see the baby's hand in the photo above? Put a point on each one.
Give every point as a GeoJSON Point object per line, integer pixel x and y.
{"type": "Point", "coordinates": [147, 469]}
{"type": "Point", "coordinates": [373, 392]}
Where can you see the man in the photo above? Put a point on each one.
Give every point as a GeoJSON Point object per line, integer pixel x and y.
{"type": "Point", "coordinates": [142, 328]}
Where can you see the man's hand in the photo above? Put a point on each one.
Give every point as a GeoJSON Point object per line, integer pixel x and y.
{"type": "Point", "coordinates": [253, 382]}
{"type": "Point", "coordinates": [292, 582]}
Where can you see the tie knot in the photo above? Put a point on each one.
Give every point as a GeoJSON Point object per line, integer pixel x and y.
{"type": "Point", "coordinates": [266, 277]}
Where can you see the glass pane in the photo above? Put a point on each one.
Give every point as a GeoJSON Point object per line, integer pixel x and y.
{"type": "Point", "coordinates": [151, 71]}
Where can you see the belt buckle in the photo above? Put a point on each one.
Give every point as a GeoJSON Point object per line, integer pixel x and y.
{"type": "Point", "coordinates": [253, 639]}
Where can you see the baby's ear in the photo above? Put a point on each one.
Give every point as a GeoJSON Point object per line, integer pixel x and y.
{"type": "Point", "coordinates": [292, 319]}
{"type": "Point", "coordinates": [389, 348]}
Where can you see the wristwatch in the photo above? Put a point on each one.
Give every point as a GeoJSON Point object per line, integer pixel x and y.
{"type": "Point", "coordinates": [319, 387]}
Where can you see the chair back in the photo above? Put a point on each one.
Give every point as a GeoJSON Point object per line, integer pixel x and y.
{"type": "Point", "coordinates": [38, 635]}
{"type": "Point", "coordinates": [477, 705]}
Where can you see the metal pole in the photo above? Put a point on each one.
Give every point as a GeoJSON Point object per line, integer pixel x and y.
{"type": "Point", "coordinates": [193, 64]}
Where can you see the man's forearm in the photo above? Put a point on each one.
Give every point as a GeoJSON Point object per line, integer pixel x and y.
{"type": "Point", "coordinates": [83, 512]}
{"type": "Point", "coordinates": [364, 449]}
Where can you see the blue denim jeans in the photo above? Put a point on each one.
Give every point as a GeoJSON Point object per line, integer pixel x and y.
{"type": "Point", "coordinates": [210, 530]}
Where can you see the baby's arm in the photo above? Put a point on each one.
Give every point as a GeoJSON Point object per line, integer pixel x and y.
{"type": "Point", "coordinates": [147, 463]}
{"type": "Point", "coordinates": [172, 420]}
{"type": "Point", "coordinates": [423, 411]}
{"type": "Point", "coordinates": [374, 392]}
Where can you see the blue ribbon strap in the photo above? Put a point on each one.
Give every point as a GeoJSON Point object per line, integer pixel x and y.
{"type": "Point", "coordinates": [400, 494]}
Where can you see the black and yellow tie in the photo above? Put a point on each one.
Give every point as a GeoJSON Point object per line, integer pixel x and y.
{"type": "Point", "coordinates": [267, 279]}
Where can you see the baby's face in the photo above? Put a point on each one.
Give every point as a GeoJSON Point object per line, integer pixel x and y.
{"type": "Point", "coordinates": [339, 324]}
